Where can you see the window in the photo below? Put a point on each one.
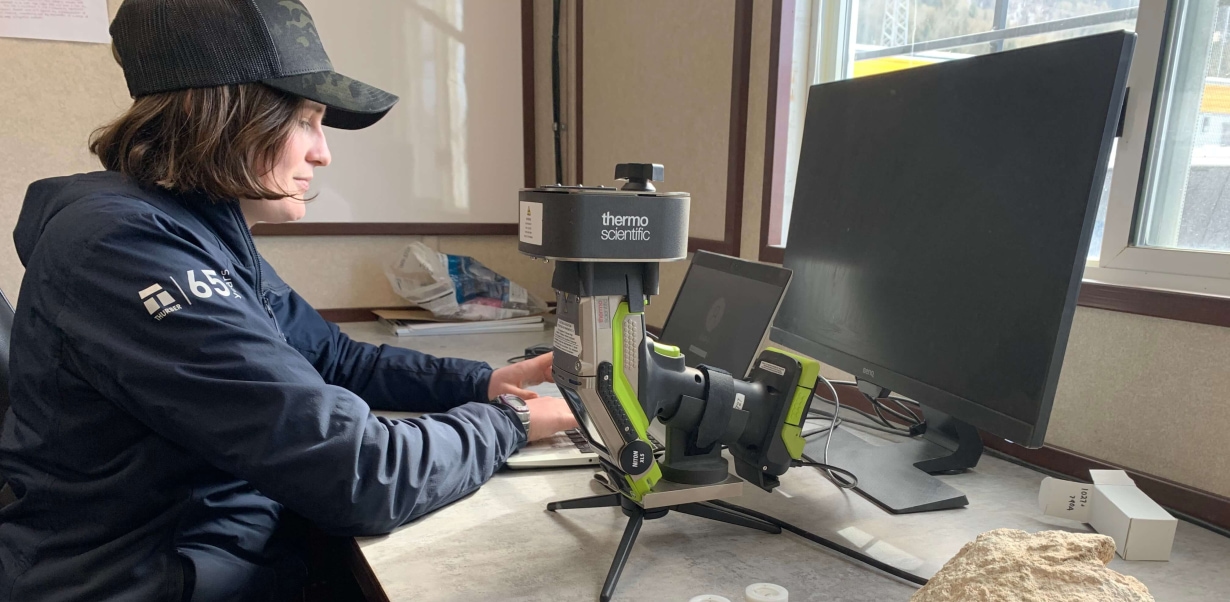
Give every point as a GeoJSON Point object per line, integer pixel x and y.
{"type": "Point", "coordinates": [1186, 204]}
{"type": "Point", "coordinates": [1168, 214]}
{"type": "Point", "coordinates": [1168, 229]}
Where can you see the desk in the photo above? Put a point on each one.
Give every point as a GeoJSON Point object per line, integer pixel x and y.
{"type": "Point", "coordinates": [501, 544]}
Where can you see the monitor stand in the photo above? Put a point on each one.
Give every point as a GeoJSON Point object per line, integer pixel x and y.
{"type": "Point", "coordinates": [897, 476]}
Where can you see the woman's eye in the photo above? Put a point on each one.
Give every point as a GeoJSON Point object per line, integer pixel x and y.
{"type": "Point", "coordinates": [306, 124]}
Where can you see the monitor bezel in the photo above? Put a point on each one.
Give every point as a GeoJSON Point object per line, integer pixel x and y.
{"type": "Point", "coordinates": [767, 273]}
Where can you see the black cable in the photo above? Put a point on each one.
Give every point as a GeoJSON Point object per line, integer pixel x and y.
{"type": "Point", "coordinates": [815, 413]}
{"type": "Point", "coordinates": [847, 408]}
{"type": "Point", "coordinates": [531, 353]}
{"type": "Point", "coordinates": [892, 397]}
{"type": "Point", "coordinates": [874, 427]}
{"type": "Point", "coordinates": [832, 545]}
{"type": "Point", "coordinates": [918, 419]}
{"type": "Point", "coordinates": [888, 428]}
{"type": "Point", "coordinates": [875, 407]}
{"type": "Point", "coordinates": [912, 419]}
{"type": "Point", "coordinates": [555, 91]}
{"type": "Point", "coordinates": [847, 483]}
{"type": "Point", "coordinates": [825, 467]}
{"type": "Point", "coordinates": [904, 409]}
{"type": "Point", "coordinates": [877, 417]}
{"type": "Point", "coordinates": [917, 424]}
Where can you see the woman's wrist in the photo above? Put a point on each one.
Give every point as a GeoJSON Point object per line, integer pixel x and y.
{"type": "Point", "coordinates": [519, 409]}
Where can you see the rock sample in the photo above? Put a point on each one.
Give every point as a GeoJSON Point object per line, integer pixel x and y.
{"type": "Point", "coordinates": [1008, 565]}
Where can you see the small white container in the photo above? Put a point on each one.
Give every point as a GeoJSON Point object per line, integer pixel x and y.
{"type": "Point", "coordinates": [766, 592]}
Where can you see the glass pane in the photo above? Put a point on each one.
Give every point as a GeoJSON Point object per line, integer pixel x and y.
{"type": "Point", "coordinates": [1099, 224]}
{"type": "Point", "coordinates": [938, 26]}
{"type": "Point", "coordinates": [895, 34]}
{"type": "Point", "coordinates": [1186, 204]}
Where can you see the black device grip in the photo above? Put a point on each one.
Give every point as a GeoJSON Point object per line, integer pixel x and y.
{"type": "Point", "coordinates": [718, 406]}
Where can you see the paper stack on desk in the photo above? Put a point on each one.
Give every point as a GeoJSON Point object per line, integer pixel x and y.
{"type": "Point", "coordinates": [420, 322]}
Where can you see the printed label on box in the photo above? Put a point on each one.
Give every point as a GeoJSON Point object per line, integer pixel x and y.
{"type": "Point", "coordinates": [1065, 499]}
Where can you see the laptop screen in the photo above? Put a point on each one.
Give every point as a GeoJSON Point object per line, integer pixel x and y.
{"type": "Point", "coordinates": [723, 309]}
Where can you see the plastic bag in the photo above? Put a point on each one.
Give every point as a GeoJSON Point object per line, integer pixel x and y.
{"type": "Point", "coordinates": [458, 287]}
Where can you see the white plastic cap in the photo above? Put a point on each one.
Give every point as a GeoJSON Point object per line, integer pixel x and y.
{"type": "Point", "coordinates": [766, 592]}
{"type": "Point", "coordinates": [709, 598]}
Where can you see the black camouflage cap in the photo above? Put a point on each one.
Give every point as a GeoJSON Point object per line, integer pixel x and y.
{"type": "Point", "coordinates": [167, 45]}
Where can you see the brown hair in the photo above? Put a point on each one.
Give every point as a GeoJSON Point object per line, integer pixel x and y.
{"type": "Point", "coordinates": [217, 141]}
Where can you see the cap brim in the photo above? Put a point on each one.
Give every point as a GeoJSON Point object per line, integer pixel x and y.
{"type": "Point", "coordinates": [351, 104]}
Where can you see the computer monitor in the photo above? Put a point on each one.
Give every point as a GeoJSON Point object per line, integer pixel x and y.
{"type": "Point", "coordinates": [941, 220]}
{"type": "Point", "coordinates": [723, 309]}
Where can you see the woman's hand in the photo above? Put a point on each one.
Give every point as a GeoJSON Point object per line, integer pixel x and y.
{"type": "Point", "coordinates": [549, 415]}
{"type": "Point", "coordinates": [513, 379]}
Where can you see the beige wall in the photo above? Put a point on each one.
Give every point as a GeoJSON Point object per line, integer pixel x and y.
{"type": "Point", "coordinates": [1142, 392]}
{"type": "Point", "coordinates": [54, 95]}
{"type": "Point", "coordinates": [1149, 394]}
{"type": "Point", "coordinates": [659, 92]}
{"type": "Point", "coordinates": [653, 97]}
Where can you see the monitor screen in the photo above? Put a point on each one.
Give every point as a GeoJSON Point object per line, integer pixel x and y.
{"type": "Point", "coordinates": [941, 220]}
{"type": "Point", "coordinates": [723, 309]}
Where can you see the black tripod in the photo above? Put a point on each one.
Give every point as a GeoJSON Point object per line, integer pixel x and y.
{"type": "Point", "coordinates": [637, 515]}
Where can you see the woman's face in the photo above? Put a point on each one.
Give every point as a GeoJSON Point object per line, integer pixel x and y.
{"type": "Point", "coordinates": [304, 151]}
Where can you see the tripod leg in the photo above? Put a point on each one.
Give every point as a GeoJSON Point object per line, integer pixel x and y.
{"type": "Point", "coordinates": [594, 501]}
{"type": "Point", "coordinates": [724, 515]}
{"type": "Point", "coordinates": [621, 555]}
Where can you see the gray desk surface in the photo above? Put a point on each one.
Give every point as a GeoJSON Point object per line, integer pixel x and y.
{"type": "Point", "coordinates": [501, 543]}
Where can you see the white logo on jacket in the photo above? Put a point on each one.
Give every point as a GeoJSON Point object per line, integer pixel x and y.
{"type": "Point", "coordinates": [158, 302]}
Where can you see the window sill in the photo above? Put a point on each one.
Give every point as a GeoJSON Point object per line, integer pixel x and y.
{"type": "Point", "coordinates": [1184, 307]}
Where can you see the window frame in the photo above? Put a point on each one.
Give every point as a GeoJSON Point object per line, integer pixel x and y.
{"type": "Point", "coordinates": [1120, 261]}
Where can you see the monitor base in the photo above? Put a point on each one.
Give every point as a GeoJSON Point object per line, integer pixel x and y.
{"type": "Point", "coordinates": [959, 442]}
{"type": "Point", "coordinates": [897, 476]}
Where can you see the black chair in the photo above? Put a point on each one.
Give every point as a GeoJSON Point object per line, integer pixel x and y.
{"type": "Point", "coordinates": [6, 331]}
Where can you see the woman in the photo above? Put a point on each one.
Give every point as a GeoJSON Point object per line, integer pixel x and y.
{"type": "Point", "coordinates": [173, 401]}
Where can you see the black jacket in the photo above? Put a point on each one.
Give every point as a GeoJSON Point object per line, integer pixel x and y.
{"type": "Point", "coordinates": [172, 397]}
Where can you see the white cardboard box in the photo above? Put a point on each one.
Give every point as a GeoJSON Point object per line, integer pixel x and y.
{"type": "Point", "coordinates": [1113, 506]}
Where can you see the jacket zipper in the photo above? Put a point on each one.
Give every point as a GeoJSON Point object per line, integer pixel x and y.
{"type": "Point", "coordinates": [256, 263]}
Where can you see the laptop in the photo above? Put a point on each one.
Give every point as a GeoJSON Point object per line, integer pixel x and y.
{"type": "Point", "coordinates": [724, 308]}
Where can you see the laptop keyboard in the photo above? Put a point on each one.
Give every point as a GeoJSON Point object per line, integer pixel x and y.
{"type": "Point", "coordinates": [577, 439]}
